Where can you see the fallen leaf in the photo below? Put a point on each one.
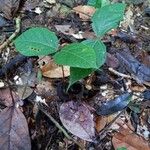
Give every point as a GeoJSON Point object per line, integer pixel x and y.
{"type": "Point", "coordinates": [128, 21]}
{"type": "Point", "coordinates": [77, 119]}
{"type": "Point", "coordinates": [100, 123]}
{"type": "Point", "coordinates": [6, 98]}
{"type": "Point", "coordinates": [85, 12]}
{"type": "Point", "coordinates": [112, 61]}
{"type": "Point", "coordinates": [65, 29]}
{"type": "Point", "coordinates": [9, 7]}
{"type": "Point", "coordinates": [14, 134]}
{"type": "Point", "coordinates": [130, 140]}
{"type": "Point", "coordinates": [137, 88]}
{"type": "Point", "coordinates": [138, 70]}
{"type": "Point", "coordinates": [113, 106]}
{"type": "Point", "coordinates": [52, 70]}
{"type": "Point", "coordinates": [146, 58]}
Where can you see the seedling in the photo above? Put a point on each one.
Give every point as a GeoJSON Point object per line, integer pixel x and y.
{"type": "Point", "coordinates": [83, 58]}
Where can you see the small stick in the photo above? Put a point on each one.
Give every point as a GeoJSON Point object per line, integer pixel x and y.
{"type": "Point", "coordinates": [9, 40]}
{"type": "Point", "coordinates": [109, 124]}
{"type": "Point", "coordinates": [119, 74]}
{"type": "Point", "coordinates": [126, 76]}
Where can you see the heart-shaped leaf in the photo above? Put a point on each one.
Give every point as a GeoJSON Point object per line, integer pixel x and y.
{"type": "Point", "coordinates": [76, 55]}
{"type": "Point", "coordinates": [98, 3]}
{"type": "Point", "coordinates": [37, 41]}
{"type": "Point", "coordinates": [100, 50]}
{"type": "Point", "coordinates": [107, 18]}
{"type": "Point", "coordinates": [78, 73]}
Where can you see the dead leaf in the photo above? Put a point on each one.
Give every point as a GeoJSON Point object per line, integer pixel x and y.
{"type": "Point", "coordinates": [85, 12]}
{"type": "Point", "coordinates": [52, 70]}
{"type": "Point", "coordinates": [139, 71]}
{"type": "Point", "coordinates": [77, 119]}
{"type": "Point", "coordinates": [131, 141]}
{"type": "Point", "coordinates": [126, 137]}
{"type": "Point", "coordinates": [112, 61]}
{"type": "Point", "coordinates": [115, 105]}
{"type": "Point", "coordinates": [6, 98]}
{"type": "Point", "coordinates": [137, 88]}
{"type": "Point", "coordinates": [100, 123]}
{"type": "Point", "coordinates": [9, 7]}
{"type": "Point", "coordinates": [14, 134]}
{"type": "Point", "coordinates": [65, 29]}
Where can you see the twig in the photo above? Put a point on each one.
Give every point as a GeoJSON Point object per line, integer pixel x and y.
{"type": "Point", "coordinates": [126, 76]}
{"type": "Point", "coordinates": [44, 110]}
{"type": "Point", "coordinates": [9, 40]}
{"type": "Point", "coordinates": [119, 74]}
{"type": "Point", "coordinates": [109, 124]}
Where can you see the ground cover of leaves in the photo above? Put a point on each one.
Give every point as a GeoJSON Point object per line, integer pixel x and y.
{"type": "Point", "coordinates": [107, 110]}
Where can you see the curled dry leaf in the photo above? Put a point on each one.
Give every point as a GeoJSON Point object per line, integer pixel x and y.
{"type": "Point", "coordinates": [85, 12]}
{"type": "Point", "coordinates": [9, 7]}
{"type": "Point", "coordinates": [52, 70]}
{"type": "Point", "coordinates": [6, 98]}
{"type": "Point", "coordinates": [77, 119]}
{"type": "Point", "coordinates": [14, 134]}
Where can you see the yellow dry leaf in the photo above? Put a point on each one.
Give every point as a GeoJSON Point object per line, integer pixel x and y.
{"type": "Point", "coordinates": [85, 12]}
{"type": "Point", "coordinates": [52, 70]}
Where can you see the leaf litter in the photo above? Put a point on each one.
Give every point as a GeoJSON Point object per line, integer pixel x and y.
{"type": "Point", "coordinates": [131, 64]}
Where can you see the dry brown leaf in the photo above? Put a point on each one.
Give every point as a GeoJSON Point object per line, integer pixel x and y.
{"type": "Point", "coordinates": [85, 12]}
{"type": "Point", "coordinates": [6, 98]}
{"type": "Point", "coordinates": [137, 88]}
{"type": "Point", "coordinates": [102, 121]}
{"type": "Point", "coordinates": [125, 137]}
{"type": "Point", "coordinates": [14, 134]}
{"type": "Point", "coordinates": [52, 70]}
{"type": "Point", "coordinates": [77, 119]}
{"type": "Point", "coordinates": [65, 29]}
{"type": "Point", "coordinates": [129, 140]}
{"type": "Point", "coordinates": [9, 7]}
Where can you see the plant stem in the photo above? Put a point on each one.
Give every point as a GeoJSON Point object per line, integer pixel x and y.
{"type": "Point", "coordinates": [9, 40]}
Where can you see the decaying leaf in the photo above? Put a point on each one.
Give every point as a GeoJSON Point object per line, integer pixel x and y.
{"type": "Point", "coordinates": [65, 29]}
{"type": "Point", "coordinates": [77, 119]}
{"type": "Point", "coordinates": [140, 71]}
{"type": "Point", "coordinates": [130, 140]}
{"type": "Point", "coordinates": [52, 70]}
{"type": "Point", "coordinates": [6, 98]}
{"type": "Point", "coordinates": [9, 7]}
{"type": "Point", "coordinates": [113, 106]}
{"type": "Point", "coordinates": [14, 134]}
{"type": "Point", "coordinates": [85, 12]}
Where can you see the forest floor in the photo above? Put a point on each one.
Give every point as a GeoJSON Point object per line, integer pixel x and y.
{"type": "Point", "coordinates": [55, 119]}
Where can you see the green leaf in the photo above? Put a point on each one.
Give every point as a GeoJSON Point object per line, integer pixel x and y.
{"type": "Point", "coordinates": [100, 50]}
{"type": "Point", "coordinates": [107, 18]}
{"type": "Point", "coordinates": [78, 73]}
{"type": "Point", "coordinates": [76, 55]}
{"type": "Point", "coordinates": [98, 3]}
{"type": "Point", "coordinates": [37, 41]}
{"type": "Point", "coordinates": [122, 148]}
